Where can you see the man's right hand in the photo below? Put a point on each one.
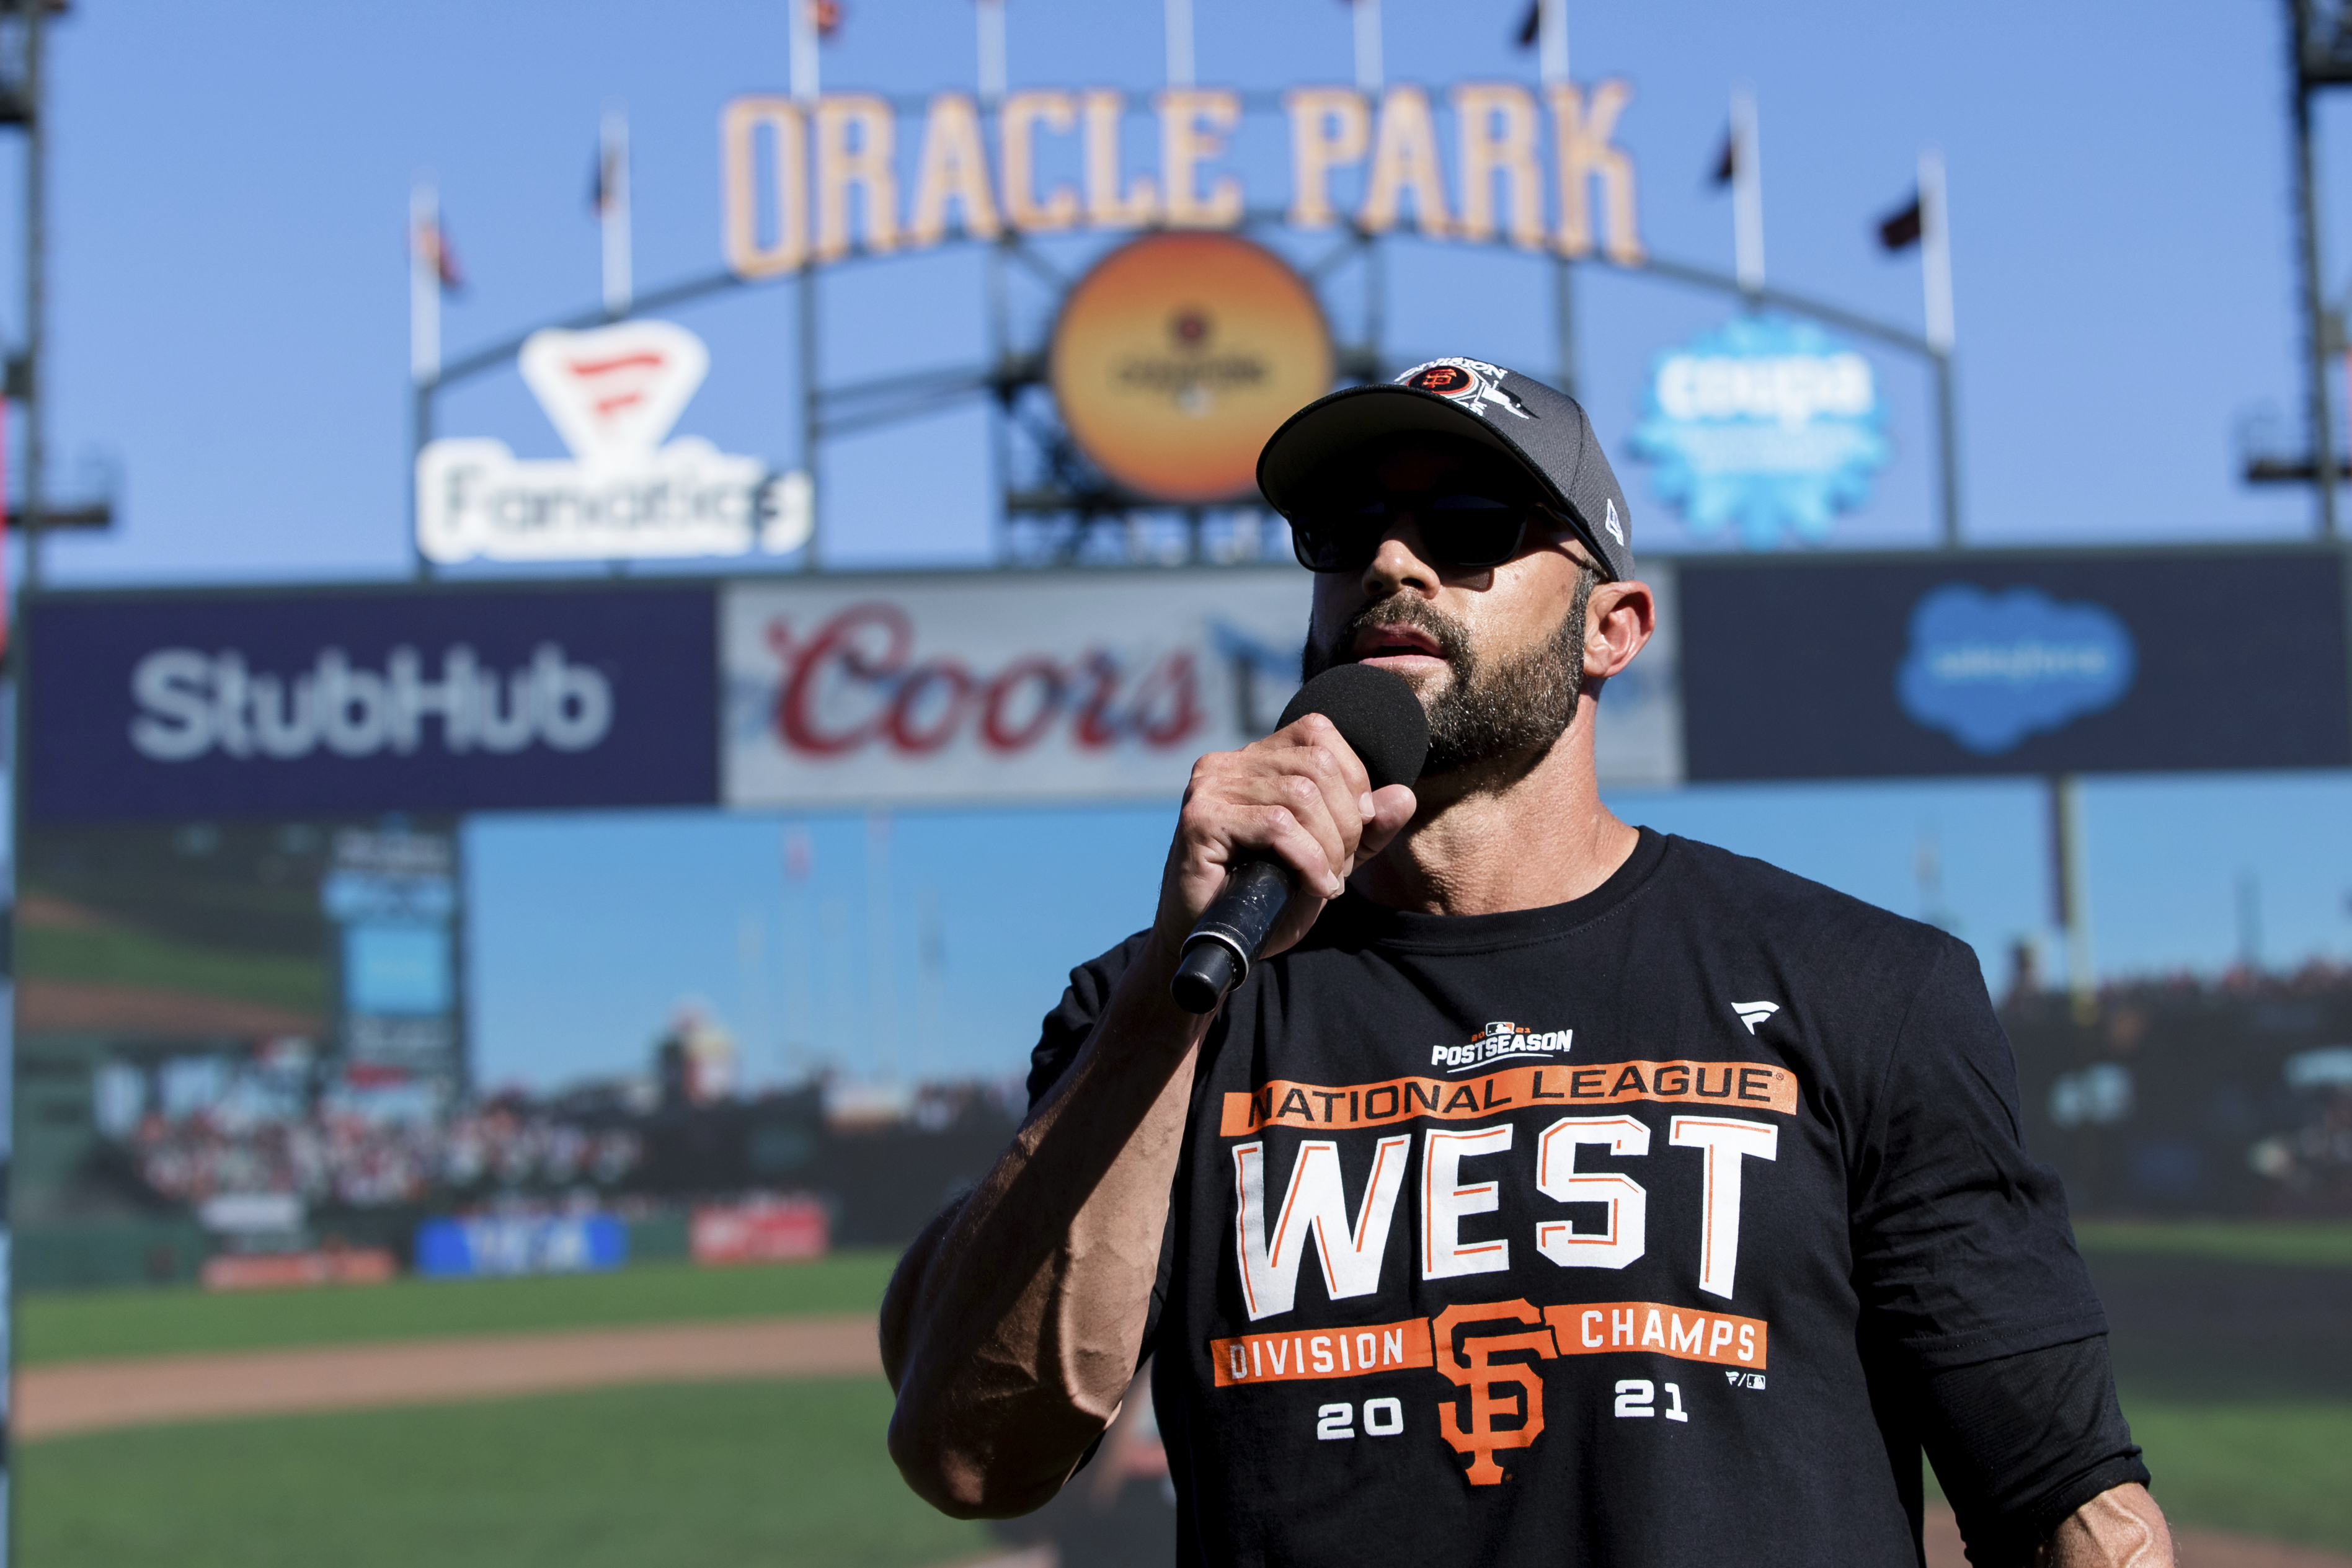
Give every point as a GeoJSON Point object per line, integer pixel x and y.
{"type": "Point", "coordinates": [1301, 797]}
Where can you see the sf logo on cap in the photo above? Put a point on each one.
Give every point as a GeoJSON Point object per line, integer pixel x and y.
{"type": "Point", "coordinates": [1472, 382]}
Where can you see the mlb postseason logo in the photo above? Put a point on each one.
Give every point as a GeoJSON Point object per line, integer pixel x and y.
{"type": "Point", "coordinates": [1499, 1040]}
{"type": "Point", "coordinates": [1769, 426]}
{"type": "Point", "coordinates": [612, 395]}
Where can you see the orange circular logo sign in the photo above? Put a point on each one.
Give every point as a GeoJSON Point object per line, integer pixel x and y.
{"type": "Point", "coordinates": [1178, 355]}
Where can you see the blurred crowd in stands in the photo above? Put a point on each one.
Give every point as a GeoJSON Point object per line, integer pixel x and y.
{"type": "Point", "coordinates": [339, 1156]}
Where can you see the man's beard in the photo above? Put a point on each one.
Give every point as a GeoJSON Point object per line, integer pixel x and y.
{"type": "Point", "coordinates": [1488, 709]}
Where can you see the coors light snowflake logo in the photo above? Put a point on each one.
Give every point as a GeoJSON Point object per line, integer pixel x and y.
{"type": "Point", "coordinates": [1474, 383]}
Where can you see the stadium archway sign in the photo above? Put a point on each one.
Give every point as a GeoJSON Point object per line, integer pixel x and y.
{"type": "Point", "coordinates": [812, 184]}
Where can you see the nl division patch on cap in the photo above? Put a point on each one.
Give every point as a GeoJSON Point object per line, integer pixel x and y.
{"type": "Point", "coordinates": [1544, 429]}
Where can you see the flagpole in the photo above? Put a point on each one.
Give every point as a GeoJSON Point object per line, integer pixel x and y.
{"type": "Point", "coordinates": [1551, 59]}
{"type": "Point", "coordinates": [1935, 251]}
{"type": "Point", "coordinates": [805, 91]}
{"type": "Point", "coordinates": [613, 220]}
{"type": "Point", "coordinates": [802, 40]}
{"type": "Point", "coordinates": [1371, 71]}
{"type": "Point", "coordinates": [1747, 193]}
{"type": "Point", "coordinates": [1936, 287]}
{"type": "Point", "coordinates": [424, 284]}
{"type": "Point", "coordinates": [1179, 15]}
{"type": "Point", "coordinates": [1551, 41]}
{"type": "Point", "coordinates": [424, 338]}
{"type": "Point", "coordinates": [990, 17]}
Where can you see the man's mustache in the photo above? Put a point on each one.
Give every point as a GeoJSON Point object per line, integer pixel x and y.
{"type": "Point", "coordinates": [1453, 641]}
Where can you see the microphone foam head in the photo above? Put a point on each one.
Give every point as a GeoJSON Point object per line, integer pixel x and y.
{"type": "Point", "coordinates": [1376, 714]}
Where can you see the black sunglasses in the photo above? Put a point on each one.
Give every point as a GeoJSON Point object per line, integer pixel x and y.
{"type": "Point", "coordinates": [1465, 532]}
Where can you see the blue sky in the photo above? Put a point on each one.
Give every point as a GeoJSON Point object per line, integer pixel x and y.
{"type": "Point", "coordinates": [230, 331]}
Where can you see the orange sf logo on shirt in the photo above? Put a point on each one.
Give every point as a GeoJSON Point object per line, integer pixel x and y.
{"type": "Point", "coordinates": [1495, 1388]}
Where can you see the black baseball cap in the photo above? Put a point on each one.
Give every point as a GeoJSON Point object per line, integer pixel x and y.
{"type": "Point", "coordinates": [1540, 428]}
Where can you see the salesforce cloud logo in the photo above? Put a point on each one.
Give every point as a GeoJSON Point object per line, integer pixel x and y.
{"type": "Point", "coordinates": [1990, 669]}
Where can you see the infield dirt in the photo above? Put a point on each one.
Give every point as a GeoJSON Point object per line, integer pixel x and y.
{"type": "Point", "coordinates": [82, 1396]}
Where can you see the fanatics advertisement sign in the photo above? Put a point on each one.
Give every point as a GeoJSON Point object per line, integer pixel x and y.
{"type": "Point", "coordinates": [262, 704]}
{"type": "Point", "coordinates": [2038, 663]}
{"type": "Point", "coordinates": [614, 394]}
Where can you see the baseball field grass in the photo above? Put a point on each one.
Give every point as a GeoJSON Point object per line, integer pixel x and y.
{"type": "Point", "coordinates": [2234, 1364]}
{"type": "Point", "coordinates": [2270, 1468]}
{"type": "Point", "coordinates": [2230, 1346]}
{"type": "Point", "coordinates": [716, 1475]}
{"type": "Point", "coordinates": [2273, 1469]}
{"type": "Point", "coordinates": [2300, 1243]}
{"type": "Point", "coordinates": [84, 1325]}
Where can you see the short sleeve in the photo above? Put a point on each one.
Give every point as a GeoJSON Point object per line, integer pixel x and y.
{"type": "Point", "coordinates": [1962, 1251]}
{"type": "Point", "coordinates": [1073, 1019]}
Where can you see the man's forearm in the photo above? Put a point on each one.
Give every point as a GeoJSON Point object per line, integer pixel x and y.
{"type": "Point", "coordinates": [1012, 1327]}
{"type": "Point", "coordinates": [2120, 1528]}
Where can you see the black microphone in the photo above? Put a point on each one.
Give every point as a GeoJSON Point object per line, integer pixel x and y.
{"type": "Point", "coordinates": [1381, 720]}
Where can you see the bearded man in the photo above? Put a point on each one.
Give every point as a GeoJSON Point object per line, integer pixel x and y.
{"type": "Point", "coordinates": [1664, 1205]}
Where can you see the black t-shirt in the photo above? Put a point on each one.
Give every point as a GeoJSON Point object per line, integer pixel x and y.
{"type": "Point", "coordinates": [1610, 1232]}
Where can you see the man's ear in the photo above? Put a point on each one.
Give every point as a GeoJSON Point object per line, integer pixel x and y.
{"type": "Point", "coordinates": [1617, 620]}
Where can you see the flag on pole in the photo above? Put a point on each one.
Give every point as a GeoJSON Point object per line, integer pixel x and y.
{"type": "Point", "coordinates": [604, 181]}
{"type": "Point", "coordinates": [1923, 222]}
{"type": "Point", "coordinates": [608, 198]}
{"type": "Point", "coordinates": [1544, 28]}
{"type": "Point", "coordinates": [1901, 230]}
{"type": "Point", "coordinates": [813, 22]}
{"type": "Point", "coordinates": [433, 246]}
{"type": "Point", "coordinates": [1740, 166]}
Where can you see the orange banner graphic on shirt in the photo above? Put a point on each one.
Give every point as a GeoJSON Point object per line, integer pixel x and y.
{"type": "Point", "coordinates": [1321, 1352]}
{"type": "Point", "coordinates": [1595, 1328]}
{"type": "Point", "coordinates": [1284, 1103]}
{"type": "Point", "coordinates": [1581, 1328]}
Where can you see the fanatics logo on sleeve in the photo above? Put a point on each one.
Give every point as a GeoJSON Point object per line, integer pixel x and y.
{"type": "Point", "coordinates": [1498, 1041]}
{"type": "Point", "coordinates": [1753, 1013]}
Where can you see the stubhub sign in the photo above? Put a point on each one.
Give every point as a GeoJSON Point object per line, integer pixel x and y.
{"type": "Point", "coordinates": [192, 704]}
{"type": "Point", "coordinates": [448, 700]}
